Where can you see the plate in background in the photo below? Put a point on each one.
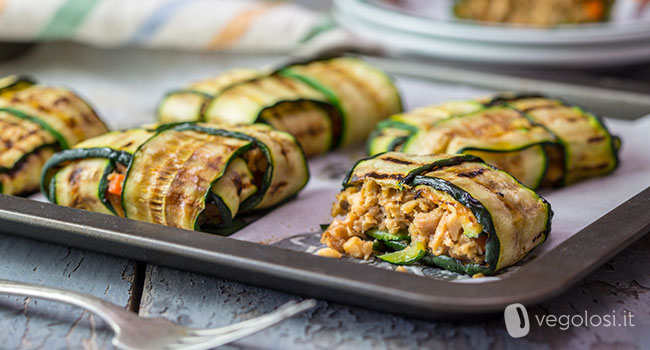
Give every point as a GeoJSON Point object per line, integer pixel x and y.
{"type": "Point", "coordinates": [435, 18]}
{"type": "Point", "coordinates": [405, 34]}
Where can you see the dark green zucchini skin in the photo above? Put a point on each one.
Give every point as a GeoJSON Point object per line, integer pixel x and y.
{"type": "Point", "coordinates": [419, 173]}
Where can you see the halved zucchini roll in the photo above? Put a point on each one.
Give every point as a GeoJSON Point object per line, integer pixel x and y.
{"type": "Point", "coordinates": [35, 122]}
{"type": "Point", "coordinates": [196, 176]}
{"type": "Point", "coordinates": [324, 103]}
{"type": "Point", "coordinates": [452, 211]}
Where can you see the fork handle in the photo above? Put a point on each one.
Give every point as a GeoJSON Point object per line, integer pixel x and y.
{"type": "Point", "coordinates": [101, 308]}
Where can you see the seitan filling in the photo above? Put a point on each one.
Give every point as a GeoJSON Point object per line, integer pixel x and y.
{"type": "Point", "coordinates": [429, 216]}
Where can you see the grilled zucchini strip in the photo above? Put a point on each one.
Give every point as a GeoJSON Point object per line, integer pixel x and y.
{"type": "Point", "coordinates": [589, 148]}
{"type": "Point", "coordinates": [324, 103]}
{"type": "Point", "coordinates": [187, 105]}
{"type": "Point", "coordinates": [471, 217]}
{"type": "Point", "coordinates": [36, 121]}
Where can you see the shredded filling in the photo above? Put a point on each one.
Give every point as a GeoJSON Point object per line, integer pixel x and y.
{"type": "Point", "coordinates": [445, 226]}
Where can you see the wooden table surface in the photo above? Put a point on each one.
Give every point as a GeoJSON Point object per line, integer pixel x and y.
{"type": "Point", "coordinates": [201, 301]}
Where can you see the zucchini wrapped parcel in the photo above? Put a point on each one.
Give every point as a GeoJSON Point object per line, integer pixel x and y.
{"type": "Point", "coordinates": [196, 176]}
{"type": "Point", "coordinates": [36, 121]}
{"type": "Point", "coordinates": [547, 13]}
{"type": "Point", "coordinates": [452, 211]}
{"type": "Point", "coordinates": [541, 141]}
{"type": "Point", "coordinates": [324, 103]}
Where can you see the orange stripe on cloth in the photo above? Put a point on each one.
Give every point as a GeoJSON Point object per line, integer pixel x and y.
{"type": "Point", "coordinates": [238, 26]}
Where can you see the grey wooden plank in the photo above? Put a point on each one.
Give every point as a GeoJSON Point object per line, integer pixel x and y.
{"type": "Point", "coordinates": [27, 323]}
{"type": "Point", "coordinates": [201, 301]}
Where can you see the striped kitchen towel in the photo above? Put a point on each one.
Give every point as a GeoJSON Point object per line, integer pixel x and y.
{"type": "Point", "coordinates": [235, 25]}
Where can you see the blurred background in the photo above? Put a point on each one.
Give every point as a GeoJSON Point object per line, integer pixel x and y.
{"type": "Point", "coordinates": [603, 43]}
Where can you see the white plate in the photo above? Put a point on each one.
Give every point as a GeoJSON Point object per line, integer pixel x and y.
{"type": "Point", "coordinates": [434, 18]}
{"type": "Point", "coordinates": [609, 54]}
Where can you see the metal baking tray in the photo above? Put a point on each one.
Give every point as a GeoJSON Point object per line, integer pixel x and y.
{"type": "Point", "coordinates": [357, 284]}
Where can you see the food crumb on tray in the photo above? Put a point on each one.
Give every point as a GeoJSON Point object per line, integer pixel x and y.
{"type": "Point", "coordinates": [329, 253]}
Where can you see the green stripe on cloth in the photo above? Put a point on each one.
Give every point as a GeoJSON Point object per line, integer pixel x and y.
{"type": "Point", "coordinates": [325, 25]}
{"type": "Point", "coordinates": [67, 18]}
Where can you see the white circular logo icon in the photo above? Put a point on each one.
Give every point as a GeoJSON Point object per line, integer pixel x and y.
{"type": "Point", "coordinates": [517, 323]}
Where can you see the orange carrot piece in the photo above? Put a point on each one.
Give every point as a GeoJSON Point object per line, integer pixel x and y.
{"type": "Point", "coordinates": [115, 183]}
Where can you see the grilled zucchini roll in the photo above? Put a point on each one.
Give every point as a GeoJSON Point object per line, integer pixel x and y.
{"type": "Point", "coordinates": [539, 140]}
{"type": "Point", "coordinates": [324, 103]}
{"type": "Point", "coordinates": [452, 211]}
{"type": "Point", "coordinates": [81, 177]}
{"type": "Point", "coordinates": [35, 122]}
{"type": "Point", "coordinates": [538, 13]}
{"type": "Point", "coordinates": [196, 176]}
{"type": "Point", "coordinates": [588, 148]}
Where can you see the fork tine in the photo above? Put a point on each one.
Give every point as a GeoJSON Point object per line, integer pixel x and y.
{"type": "Point", "coordinates": [242, 329]}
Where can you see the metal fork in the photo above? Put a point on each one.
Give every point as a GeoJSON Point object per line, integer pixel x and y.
{"type": "Point", "coordinates": [134, 333]}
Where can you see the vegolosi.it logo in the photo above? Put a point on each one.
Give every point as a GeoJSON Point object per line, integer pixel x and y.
{"type": "Point", "coordinates": [518, 322]}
